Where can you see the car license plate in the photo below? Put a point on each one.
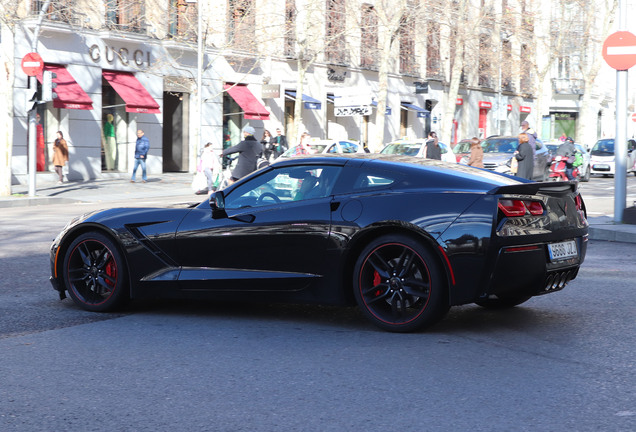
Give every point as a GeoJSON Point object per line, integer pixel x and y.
{"type": "Point", "coordinates": [601, 167]}
{"type": "Point", "coordinates": [562, 250]}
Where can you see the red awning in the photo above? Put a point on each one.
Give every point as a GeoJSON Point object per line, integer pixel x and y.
{"type": "Point", "coordinates": [137, 98]}
{"type": "Point", "coordinates": [69, 93]}
{"type": "Point", "coordinates": [252, 108]}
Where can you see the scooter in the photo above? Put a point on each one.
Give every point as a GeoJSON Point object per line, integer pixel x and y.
{"type": "Point", "coordinates": [558, 167]}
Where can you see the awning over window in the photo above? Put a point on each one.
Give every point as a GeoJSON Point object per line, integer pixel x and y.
{"type": "Point", "coordinates": [135, 95]}
{"type": "Point", "coordinates": [69, 94]}
{"type": "Point", "coordinates": [310, 103]}
{"type": "Point", "coordinates": [421, 112]}
{"type": "Point", "coordinates": [388, 108]}
{"type": "Point", "coordinates": [252, 108]}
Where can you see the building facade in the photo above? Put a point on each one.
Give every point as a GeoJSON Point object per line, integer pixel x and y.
{"type": "Point", "coordinates": [124, 65]}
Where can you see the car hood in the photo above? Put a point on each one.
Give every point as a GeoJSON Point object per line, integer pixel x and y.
{"type": "Point", "coordinates": [497, 157]}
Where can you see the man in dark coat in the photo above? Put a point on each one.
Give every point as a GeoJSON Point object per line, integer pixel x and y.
{"type": "Point", "coordinates": [279, 142]}
{"type": "Point", "coordinates": [525, 157]}
{"type": "Point", "coordinates": [249, 151]}
{"type": "Point", "coordinates": [433, 151]}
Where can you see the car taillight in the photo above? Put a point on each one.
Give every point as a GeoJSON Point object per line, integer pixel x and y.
{"type": "Point", "coordinates": [517, 208]}
{"type": "Point", "coordinates": [579, 202]}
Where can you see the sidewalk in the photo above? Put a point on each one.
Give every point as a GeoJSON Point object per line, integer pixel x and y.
{"type": "Point", "coordinates": [177, 185]}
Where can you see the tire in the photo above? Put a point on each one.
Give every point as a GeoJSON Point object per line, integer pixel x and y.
{"type": "Point", "coordinates": [94, 273]}
{"type": "Point", "coordinates": [586, 177]}
{"type": "Point", "coordinates": [496, 302]}
{"type": "Point", "coordinates": [398, 284]}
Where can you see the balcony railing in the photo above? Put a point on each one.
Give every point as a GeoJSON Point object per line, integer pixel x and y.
{"type": "Point", "coordinates": [61, 10]}
{"type": "Point", "coordinates": [569, 86]}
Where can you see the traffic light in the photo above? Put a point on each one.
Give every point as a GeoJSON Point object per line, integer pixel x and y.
{"type": "Point", "coordinates": [31, 99]}
{"type": "Point", "coordinates": [48, 85]}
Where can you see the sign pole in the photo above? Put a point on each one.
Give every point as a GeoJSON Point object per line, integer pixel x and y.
{"type": "Point", "coordinates": [620, 143]}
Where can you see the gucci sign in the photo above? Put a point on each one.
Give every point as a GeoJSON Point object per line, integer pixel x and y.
{"type": "Point", "coordinates": [123, 56]}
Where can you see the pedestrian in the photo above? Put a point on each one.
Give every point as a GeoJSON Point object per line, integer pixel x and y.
{"type": "Point", "coordinates": [267, 143]}
{"type": "Point", "coordinates": [476, 153]}
{"type": "Point", "coordinates": [141, 154]}
{"type": "Point", "coordinates": [524, 157]}
{"type": "Point", "coordinates": [568, 151]}
{"type": "Point", "coordinates": [60, 155]}
{"type": "Point", "coordinates": [433, 150]}
{"type": "Point", "coordinates": [303, 147]}
{"type": "Point", "coordinates": [280, 143]}
{"type": "Point", "coordinates": [532, 136]}
{"type": "Point", "coordinates": [249, 151]}
{"type": "Point", "coordinates": [562, 138]}
{"type": "Point", "coordinates": [210, 166]}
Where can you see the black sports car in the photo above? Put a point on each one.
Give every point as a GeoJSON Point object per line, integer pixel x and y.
{"type": "Point", "coordinates": [404, 238]}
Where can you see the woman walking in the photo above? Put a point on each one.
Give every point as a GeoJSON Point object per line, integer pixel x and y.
{"type": "Point", "coordinates": [60, 155]}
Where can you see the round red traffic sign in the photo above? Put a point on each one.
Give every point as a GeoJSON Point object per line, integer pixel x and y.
{"type": "Point", "coordinates": [32, 64]}
{"type": "Point", "coordinates": [634, 117]}
{"type": "Point", "coordinates": [619, 50]}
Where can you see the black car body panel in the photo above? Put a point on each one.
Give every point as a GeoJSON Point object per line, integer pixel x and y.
{"type": "Point", "coordinates": [305, 250]}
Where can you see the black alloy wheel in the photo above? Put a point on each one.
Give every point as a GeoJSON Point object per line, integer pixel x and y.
{"type": "Point", "coordinates": [398, 284]}
{"type": "Point", "coordinates": [94, 273]}
{"type": "Point", "coordinates": [496, 302]}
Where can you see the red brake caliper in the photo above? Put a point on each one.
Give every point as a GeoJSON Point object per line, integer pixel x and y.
{"type": "Point", "coordinates": [376, 282]}
{"type": "Point", "coordinates": [111, 270]}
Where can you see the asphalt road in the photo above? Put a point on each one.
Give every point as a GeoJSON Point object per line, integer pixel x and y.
{"type": "Point", "coordinates": [561, 361]}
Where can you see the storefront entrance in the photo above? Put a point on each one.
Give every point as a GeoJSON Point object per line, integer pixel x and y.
{"type": "Point", "coordinates": [175, 135]}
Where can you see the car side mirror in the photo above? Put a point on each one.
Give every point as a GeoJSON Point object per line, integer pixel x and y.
{"type": "Point", "coordinates": [217, 204]}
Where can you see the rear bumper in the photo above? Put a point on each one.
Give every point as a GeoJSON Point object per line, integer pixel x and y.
{"type": "Point", "coordinates": [528, 271]}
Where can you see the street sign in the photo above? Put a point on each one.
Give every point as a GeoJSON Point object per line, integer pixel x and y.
{"type": "Point", "coordinates": [32, 64]}
{"type": "Point", "coordinates": [619, 50]}
{"type": "Point", "coordinates": [363, 110]}
{"type": "Point", "coordinates": [634, 117]}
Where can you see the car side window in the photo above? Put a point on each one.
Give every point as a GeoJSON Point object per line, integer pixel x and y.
{"type": "Point", "coordinates": [285, 184]}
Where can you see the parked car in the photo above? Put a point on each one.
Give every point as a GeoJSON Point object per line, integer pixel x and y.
{"type": "Point", "coordinates": [603, 159]}
{"type": "Point", "coordinates": [462, 151]}
{"type": "Point", "coordinates": [417, 148]}
{"type": "Point", "coordinates": [370, 229]}
{"type": "Point", "coordinates": [584, 169]}
{"type": "Point", "coordinates": [319, 146]}
{"type": "Point", "coordinates": [499, 150]}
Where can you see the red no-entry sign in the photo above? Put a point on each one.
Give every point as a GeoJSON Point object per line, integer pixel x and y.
{"type": "Point", "coordinates": [619, 50]}
{"type": "Point", "coordinates": [634, 117]}
{"type": "Point", "coordinates": [32, 64]}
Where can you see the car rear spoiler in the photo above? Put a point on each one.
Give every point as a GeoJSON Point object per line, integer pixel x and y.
{"type": "Point", "coordinates": [533, 188]}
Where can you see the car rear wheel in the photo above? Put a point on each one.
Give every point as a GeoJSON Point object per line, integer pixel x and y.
{"type": "Point", "coordinates": [94, 273]}
{"type": "Point", "coordinates": [496, 302]}
{"type": "Point", "coordinates": [398, 284]}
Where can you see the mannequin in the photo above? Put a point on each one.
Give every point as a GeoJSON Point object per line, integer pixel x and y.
{"type": "Point", "coordinates": [110, 143]}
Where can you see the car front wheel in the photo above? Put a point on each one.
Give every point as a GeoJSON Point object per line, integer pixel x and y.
{"type": "Point", "coordinates": [94, 273]}
{"type": "Point", "coordinates": [399, 285]}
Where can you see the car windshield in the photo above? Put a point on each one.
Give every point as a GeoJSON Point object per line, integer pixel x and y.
{"type": "Point", "coordinates": [553, 147]}
{"type": "Point", "coordinates": [604, 147]}
{"type": "Point", "coordinates": [406, 149]}
{"type": "Point", "coordinates": [462, 147]}
{"type": "Point", "coordinates": [500, 145]}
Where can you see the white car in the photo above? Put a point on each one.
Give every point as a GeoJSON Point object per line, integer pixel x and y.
{"type": "Point", "coordinates": [318, 146]}
{"type": "Point", "coordinates": [603, 160]}
{"type": "Point", "coordinates": [417, 148]}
